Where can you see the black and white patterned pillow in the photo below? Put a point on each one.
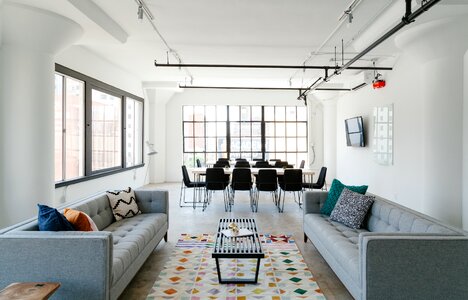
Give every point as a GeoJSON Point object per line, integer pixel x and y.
{"type": "Point", "coordinates": [351, 208]}
{"type": "Point", "coordinates": [123, 204]}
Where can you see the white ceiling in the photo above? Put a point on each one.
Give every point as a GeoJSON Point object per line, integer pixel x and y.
{"type": "Point", "coordinates": [275, 32]}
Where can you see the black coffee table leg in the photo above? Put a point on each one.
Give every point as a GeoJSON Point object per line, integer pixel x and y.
{"type": "Point", "coordinates": [235, 280]}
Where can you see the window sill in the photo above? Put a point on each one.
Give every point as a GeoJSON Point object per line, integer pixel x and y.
{"type": "Point", "coordinates": [95, 176]}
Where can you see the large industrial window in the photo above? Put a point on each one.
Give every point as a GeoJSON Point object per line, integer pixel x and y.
{"type": "Point", "coordinates": [98, 128]}
{"type": "Point", "coordinates": [250, 132]}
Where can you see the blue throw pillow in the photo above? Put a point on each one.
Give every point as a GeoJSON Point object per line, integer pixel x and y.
{"type": "Point", "coordinates": [335, 192]}
{"type": "Point", "coordinates": [49, 219]}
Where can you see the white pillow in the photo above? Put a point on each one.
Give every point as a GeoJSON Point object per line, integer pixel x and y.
{"type": "Point", "coordinates": [123, 204]}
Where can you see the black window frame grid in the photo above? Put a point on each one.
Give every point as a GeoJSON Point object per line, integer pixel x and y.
{"type": "Point", "coordinates": [90, 84]}
{"type": "Point", "coordinates": [202, 155]}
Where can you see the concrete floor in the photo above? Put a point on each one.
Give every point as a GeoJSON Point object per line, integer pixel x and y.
{"type": "Point", "coordinates": [188, 220]}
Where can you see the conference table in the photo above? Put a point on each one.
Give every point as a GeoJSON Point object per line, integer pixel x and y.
{"type": "Point", "coordinates": [307, 173]}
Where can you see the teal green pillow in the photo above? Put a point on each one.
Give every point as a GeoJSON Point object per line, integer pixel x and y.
{"type": "Point", "coordinates": [335, 192]}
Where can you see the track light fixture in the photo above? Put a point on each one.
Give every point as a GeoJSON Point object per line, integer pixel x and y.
{"type": "Point", "coordinates": [140, 12]}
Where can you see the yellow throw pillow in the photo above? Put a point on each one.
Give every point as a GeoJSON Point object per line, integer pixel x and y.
{"type": "Point", "coordinates": [78, 219]}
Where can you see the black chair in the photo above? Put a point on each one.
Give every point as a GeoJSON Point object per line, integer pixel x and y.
{"type": "Point", "coordinates": [292, 182]}
{"type": "Point", "coordinates": [266, 182]}
{"type": "Point", "coordinates": [188, 184]}
{"type": "Point", "coordinates": [242, 164]}
{"type": "Point", "coordinates": [221, 164]}
{"type": "Point", "coordinates": [199, 165]}
{"type": "Point", "coordinates": [320, 184]}
{"type": "Point", "coordinates": [301, 166]}
{"type": "Point", "coordinates": [216, 180]}
{"type": "Point", "coordinates": [241, 181]}
{"type": "Point", "coordinates": [241, 159]}
{"type": "Point", "coordinates": [281, 164]}
{"type": "Point", "coordinates": [223, 158]}
{"type": "Point", "coordinates": [262, 164]}
{"type": "Point", "coordinates": [257, 159]}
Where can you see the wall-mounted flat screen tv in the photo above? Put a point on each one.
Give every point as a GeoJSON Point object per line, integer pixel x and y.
{"type": "Point", "coordinates": [355, 132]}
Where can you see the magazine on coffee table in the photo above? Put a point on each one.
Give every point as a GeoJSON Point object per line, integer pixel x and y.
{"type": "Point", "coordinates": [242, 232]}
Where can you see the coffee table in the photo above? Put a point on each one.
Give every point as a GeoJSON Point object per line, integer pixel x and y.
{"type": "Point", "coordinates": [29, 290]}
{"type": "Point", "coordinates": [246, 247]}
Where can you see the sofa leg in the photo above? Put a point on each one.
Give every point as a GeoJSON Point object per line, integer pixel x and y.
{"type": "Point", "coordinates": [305, 238]}
{"type": "Point", "coordinates": [165, 237]}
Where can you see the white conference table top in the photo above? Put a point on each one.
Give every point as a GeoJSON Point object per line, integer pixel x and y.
{"type": "Point", "coordinates": [279, 171]}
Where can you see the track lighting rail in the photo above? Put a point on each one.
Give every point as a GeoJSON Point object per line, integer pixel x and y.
{"type": "Point", "coordinates": [266, 88]}
{"type": "Point", "coordinates": [407, 19]}
{"type": "Point", "coordinates": [228, 66]}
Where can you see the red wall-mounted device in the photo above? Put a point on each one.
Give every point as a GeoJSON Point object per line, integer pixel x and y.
{"type": "Point", "coordinates": [378, 84]}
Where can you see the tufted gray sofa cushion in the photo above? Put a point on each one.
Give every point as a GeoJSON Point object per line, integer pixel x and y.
{"type": "Point", "coordinates": [98, 209]}
{"type": "Point", "coordinates": [385, 216]}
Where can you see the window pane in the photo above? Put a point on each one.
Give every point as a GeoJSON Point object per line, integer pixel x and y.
{"type": "Point", "coordinates": [211, 144]}
{"type": "Point", "coordinates": [221, 113]}
{"type": "Point", "coordinates": [221, 129]}
{"type": "Point", "coordinates": [280, 113]}
{"type": "Point", "coordinates": [291, 113]}
{"type": "Point", "coordinates": [188, 129]}
{"type": "Point", "coordinates": [280, 144]}
{"type": "Point", "coordinates": [189, 160]}
{"type": "Point", "coordinates": [256, 144]}
{"type": "Point", "coordinates": [188, 113]}
{"type": "Point", "coordinates": [246, 145]}
{"type": "Point", "coordinates": [58, 124]}
{"type": "Point", "coordinates": [301, 129]}
{"type": "Point", "coordinates": [211, 129]}
{"type": "Point", "coordinates": [280, 129]}
{"type": "Point", "coordinates": [301, 113]}
{"type": "Point", "coordinates": [269, 113]}
{"type": "Point", "coordinates": [291, 144]}
{"type": "Point", "coordinates": [199, 144]}
{"type": "Point", "coordinates": [189, 145]}
{"type": "Point", "coordinates": [199, 113]}
{"type": "Point", "coordinates": [235, 144]}
{"type": "Point", "coordinates": [245, 113]}
{"type": "Point", "coordinates": [199, 129]}
{"type": "Point", "coordinates": [290, 129]}
{"type": "Point", "coordinates": [256, 129]}
{"type": "Point", "coordinates": [106, 123]}
{"type": "Point", "coordinates": [256, 113]}
{"type": "Point", "coordinates": [235, 128]}
{"type": "Point", "coordinates": [74, 128]}
{"type": "Point", "coordinates": [245, 129]}
{"type": "Point", "coordinates": [292, 159]}
{"type": "Point", "coordinates": [269, 129]}
{"type": "Point", "coordinates": [210, 113]}
{"type": "Point", "coordinates": [270, 144]}
{"type": "Point", "coordinates": [134, 132]}
{"type": "Point", "coordinates": [302, 144]}
{"type": "Point", "coordinates": [233, 113]}
{"type": "Point", "coordinates": [222, 145]}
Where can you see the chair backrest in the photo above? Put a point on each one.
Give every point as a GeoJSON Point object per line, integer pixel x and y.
{"type": "Point", "coordinates": [302, 164]}
{"type": "Point", "coordinates": [258, 159]}
{"type": "Point", "coordinates": [215, 179]}
{"type": "Point", "coordinates": [321, 179]}
{"type": "Point", "coordinates": [262, 164]}
{"type": "Point", "coordinates": [221, 164]}
{"type": "Point", "coordinates": [241, 179]}
{"type": "Point", "coordinates": [185, 176]}
{"type": "Point", "coordinates": [267, 180]}
{"type": "Point", "coordinates": [281, 164]}
{"type": "Point", "coordinates": [198, 163]}
{"type": "Point", "coordinates": [242, 164]}
{"type": "Point", "coordinates": [241, 159]}
{"type": "Point", "coordinates": [292, 180]}
{"type": "Point", "coordinates": [223, 158]}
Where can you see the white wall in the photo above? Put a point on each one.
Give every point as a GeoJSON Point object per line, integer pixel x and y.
{"type": "Point", "coordinates": [426, 87]}
{"type": "Point", "coordinates": [81, 60]}
{"type": "Point", "coordinates": [174, 156]}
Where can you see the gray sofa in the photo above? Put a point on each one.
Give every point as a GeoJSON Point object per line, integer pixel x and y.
{"type": "Point", "coordinates": [398, 254]}
{"type": "Point", "coordinates": [88, 265]}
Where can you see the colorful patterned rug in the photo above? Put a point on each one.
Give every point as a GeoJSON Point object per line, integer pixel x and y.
{"type": "Point", "coordinates": [191, 272]}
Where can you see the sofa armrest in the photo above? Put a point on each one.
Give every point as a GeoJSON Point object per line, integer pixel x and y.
{"type": "Point", "coordinates": [152, 200]}
{"type": "Point", "coordinates": [413, 266]}
{"type": "Point", "coordinates": [313, 201]}
{"type": "Point", "coordinates": [80, 261]}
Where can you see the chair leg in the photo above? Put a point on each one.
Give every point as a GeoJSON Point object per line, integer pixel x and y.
{"type": "Point", "coordinates": [182, 190]}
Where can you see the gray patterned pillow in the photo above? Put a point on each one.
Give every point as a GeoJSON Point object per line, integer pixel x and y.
{"type": "Point", "coordinates": [351, 208]}
{"type": "Point", "coordinates": [123, 204]}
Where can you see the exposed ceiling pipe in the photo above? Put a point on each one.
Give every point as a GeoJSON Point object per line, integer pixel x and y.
{"type": "Point", "coordinates": [406, 20]}
{"type": "Point", "coordinates": [258, 88]}
{"type": "Point", "coordinates": [264, 66]}
{"type": "Point", "coordinates": [173, 52]}
{"type": "Point", "coordinates": [341, 20]}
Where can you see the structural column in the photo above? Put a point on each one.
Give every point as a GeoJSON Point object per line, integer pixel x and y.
{"type": "Point", "coordinates": [329, 137]}
{"type": "Point", "coordinates": [31, 38]}
{"type": "Point", "coordinates": [438, 47]}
